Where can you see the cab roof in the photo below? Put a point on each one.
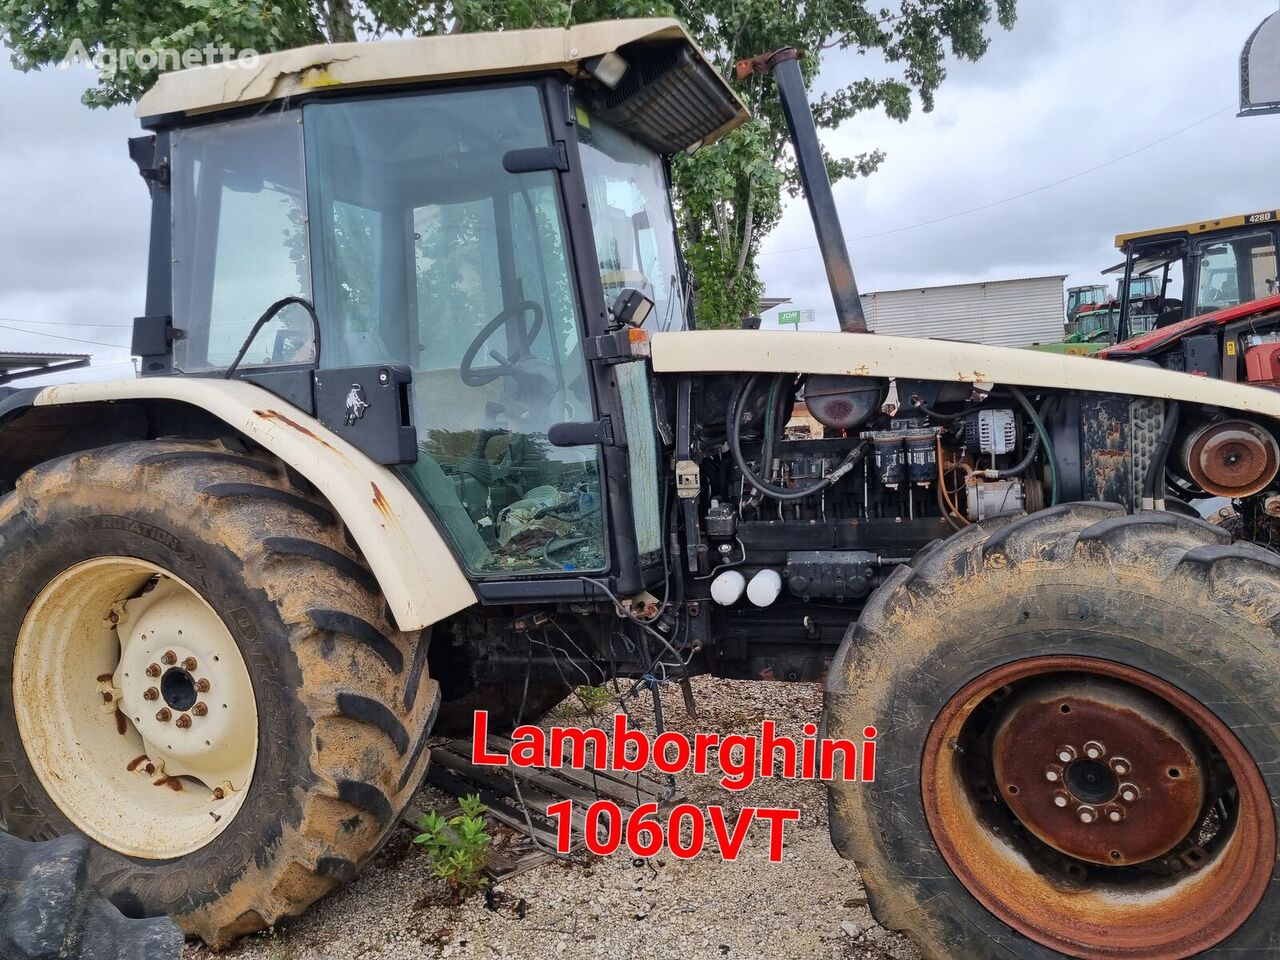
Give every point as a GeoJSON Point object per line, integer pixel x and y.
{"type": "Point", "coordinates": [1202, 226]}
{"type": "Point", "coordinates": [287, 73]}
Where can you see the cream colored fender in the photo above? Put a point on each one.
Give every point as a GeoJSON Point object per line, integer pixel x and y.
{"type": "Point", "coordinates": [874, 355]}
{"type": "Point", "coordinates": [413, 564]}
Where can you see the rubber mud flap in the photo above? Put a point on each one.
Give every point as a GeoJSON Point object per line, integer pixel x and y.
{"type": "Point", "coordinates": [48, 909]}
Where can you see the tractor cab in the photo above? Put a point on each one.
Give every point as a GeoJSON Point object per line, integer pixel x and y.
{"type": "Point", "coordinates": [434, 248]}
{"type": "Point", "coordinates": [1083, 300]}
{"type": "Point", "coordinates": [1170, 274]}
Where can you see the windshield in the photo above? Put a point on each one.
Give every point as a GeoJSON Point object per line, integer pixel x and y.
{"type": "Point", "coordinates": [1235, 270]}
{"type": "Point", "coordinates": [632, 220]}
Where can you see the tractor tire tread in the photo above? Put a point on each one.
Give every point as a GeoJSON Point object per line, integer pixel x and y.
{"type": "Point", "coordinates": [350, 658]}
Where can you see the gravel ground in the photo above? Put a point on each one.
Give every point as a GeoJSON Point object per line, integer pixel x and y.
{"type": "Point", "coordinates": [809, 905]}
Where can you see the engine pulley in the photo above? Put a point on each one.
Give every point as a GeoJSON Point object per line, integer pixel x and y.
{"type": "Point", "coordinates": [1231, 458]}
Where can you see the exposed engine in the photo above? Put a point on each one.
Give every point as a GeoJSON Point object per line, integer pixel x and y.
{"type": "Point", "coordinates": [813, 490]}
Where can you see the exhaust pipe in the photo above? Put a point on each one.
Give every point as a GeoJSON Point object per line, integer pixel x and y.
{"type": "Point", "coordinates": [784, 64]}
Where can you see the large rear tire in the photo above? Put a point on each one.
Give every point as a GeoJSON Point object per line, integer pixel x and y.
{"type": "Point", "coordinates": [197, 671]}
{"type": "Point", "coordinates": [1079, 720]}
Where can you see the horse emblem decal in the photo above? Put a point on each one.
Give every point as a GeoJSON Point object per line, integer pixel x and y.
{"type": "Point", "coordinates": [356, 404]}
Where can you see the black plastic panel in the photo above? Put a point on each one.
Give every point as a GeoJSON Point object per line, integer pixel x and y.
{"type": "Point", "coordinates": [371, 408]}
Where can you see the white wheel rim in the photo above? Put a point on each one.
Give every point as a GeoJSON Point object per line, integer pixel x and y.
{"type": "Point", "coordinates": [106, 650]}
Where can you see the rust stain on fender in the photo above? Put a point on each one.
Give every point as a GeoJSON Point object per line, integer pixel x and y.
{"type": "Point", "coordinates": [279, 417]}
{"type": "Point", "coordinates": [380, 501]}
{"type": "Point", "coordinates": [173, 783]}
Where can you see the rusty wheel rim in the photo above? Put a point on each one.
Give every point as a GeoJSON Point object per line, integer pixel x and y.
{"type": "Point", "coordinates": [1188, 814]}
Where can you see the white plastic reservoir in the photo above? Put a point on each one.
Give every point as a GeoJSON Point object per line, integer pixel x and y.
{"type": "Point", "coordinates": [727, 588]}
{"type": "Point", "coordinates": [764, 588]}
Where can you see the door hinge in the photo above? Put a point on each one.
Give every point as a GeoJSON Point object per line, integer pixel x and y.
{"type": "Point", "coordinates": [581, 434]}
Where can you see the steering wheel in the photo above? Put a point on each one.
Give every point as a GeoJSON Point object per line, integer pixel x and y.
{"type": "Point", "coordinates": [506, 365]}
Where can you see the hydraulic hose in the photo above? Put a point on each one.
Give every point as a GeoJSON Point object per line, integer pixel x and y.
{"type": "Point", "coordinates": [1044, 438]}
{"type": "Point", "coordinates": [733, 427]}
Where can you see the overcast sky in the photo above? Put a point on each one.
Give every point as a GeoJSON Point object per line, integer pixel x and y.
{"type": "Point", "coordinates": [1072, 87]}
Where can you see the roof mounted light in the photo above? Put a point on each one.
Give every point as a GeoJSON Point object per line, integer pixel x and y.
{"type": "Point", "coordinates": [608, 68]}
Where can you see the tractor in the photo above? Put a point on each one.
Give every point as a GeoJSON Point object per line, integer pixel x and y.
{"type": "Point", "coordinates": [424, 428]}
{"type": "Point", "coordinates": [1170, 274]}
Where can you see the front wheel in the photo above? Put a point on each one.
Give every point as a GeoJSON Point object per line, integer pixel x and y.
{"type": "Point", "coordinates": [197, 672]}
{"type": "Point", "coordinates": [1079, 715]}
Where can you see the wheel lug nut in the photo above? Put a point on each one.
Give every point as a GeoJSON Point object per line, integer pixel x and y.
{"type": "Point", "coordinates": [169, 658]}
{"type": "Point", "coordinates": [1115, 812]}
{"type": "Point", "coordinates": [1052, 775]}
{"type": "Point", "coordinates": [1094, 750]}
{"type": "Point", "coordinates": [1128, 792]}
{"type": "Point", "coordinates": [200, 709]}
{"type": "Point", "coordinates": [189, 664]}
{"type": "Point", "coordinates": [151, 693]}
{"type": "Point", "coordinates": [163, 714]}
{"type": "Point", "coordinates": [1120, 765]}
{"type": "Point", "coordinates": [1087, 814]}
{"type": "Point", "coordinates": [202, 685]}
{"type": "Point", "coordinates": [183, 721]}
{"type": "Point", "coordinates": [1066, 754]}
{"type": "Point", "coordinates": [1060, 800]}
{"type": "Point", "coordinates": [153, 670]}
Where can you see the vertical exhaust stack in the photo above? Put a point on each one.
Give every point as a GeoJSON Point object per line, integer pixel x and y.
{"type": "Point", "coordinates": [784, 64]}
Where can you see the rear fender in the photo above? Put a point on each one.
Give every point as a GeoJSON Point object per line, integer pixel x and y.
{"type": "Point", "coordinates": [413, 564]}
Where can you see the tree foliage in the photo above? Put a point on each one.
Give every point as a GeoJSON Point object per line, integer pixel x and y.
{"type": "Point", "coordinates": [729, 196]}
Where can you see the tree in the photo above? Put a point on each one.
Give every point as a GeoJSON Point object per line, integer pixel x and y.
{"type": "Point", "coordinates": [729, 196]}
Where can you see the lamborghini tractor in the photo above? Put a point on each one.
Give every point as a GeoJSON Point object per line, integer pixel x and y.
{"type": "Point", "coordinates": [424, 427]}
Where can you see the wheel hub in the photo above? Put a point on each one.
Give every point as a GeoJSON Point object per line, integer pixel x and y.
{"type": "Point", "coordinates": [185, 687]}
{"type": "Point", "coordinates": [1061, 754]}
{"type": "Point", "coordinates": [1091, 781]}
{"type": "Point", "coordinates": [135, 707]}
{"type": "Point", "coordinates": [178, 688]}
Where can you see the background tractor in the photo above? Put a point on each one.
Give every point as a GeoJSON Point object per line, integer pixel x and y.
{"type": "Point", "coordinates": [1194, 269]}
{"type": "Point", "coordinates": [424, 428]}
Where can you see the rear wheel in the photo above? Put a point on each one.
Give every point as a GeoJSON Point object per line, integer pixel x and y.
{"type": "Point", "coordinates": [198, 673]}
{"type": "Point", "coordinates": [1079, 706]}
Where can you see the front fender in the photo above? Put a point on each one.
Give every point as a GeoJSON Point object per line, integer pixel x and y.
{"type": "Point", "coordinates": [413, 564]}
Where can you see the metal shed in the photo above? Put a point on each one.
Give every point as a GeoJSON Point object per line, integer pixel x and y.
{"type": "Point", "coordinates": [1007, 313]}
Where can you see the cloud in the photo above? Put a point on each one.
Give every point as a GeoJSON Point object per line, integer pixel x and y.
{"type": "Point", "coordinates": [73, 250]}
{"type": "Point", "coordinates": [1071, 87]}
